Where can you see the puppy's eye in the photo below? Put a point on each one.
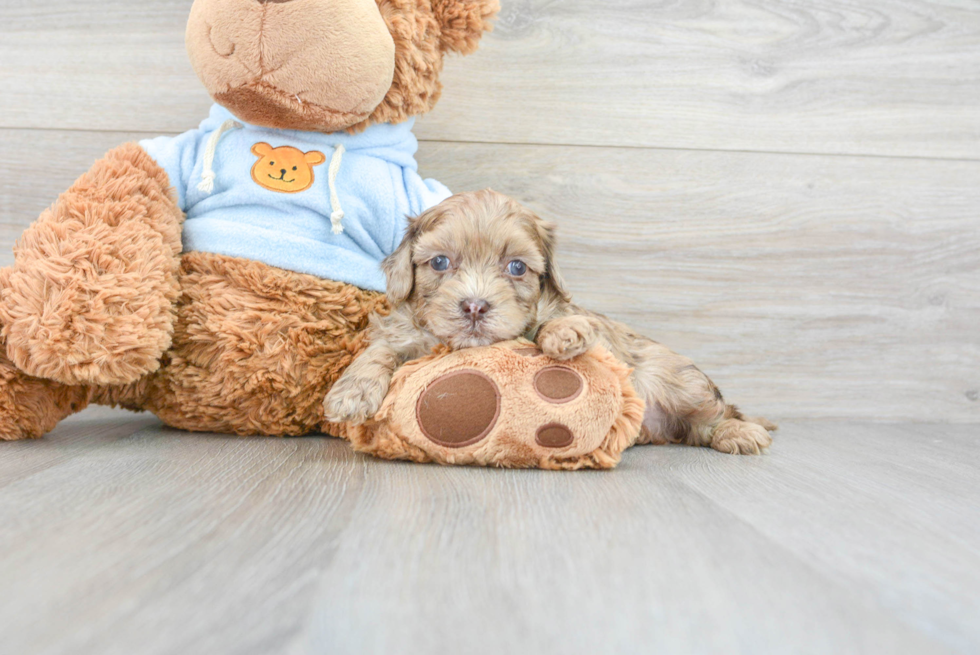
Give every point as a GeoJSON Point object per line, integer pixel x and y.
{"type": "Point", "coordinates": [517, 268]}
{"type": "Point", "coordinates": [440, 263]}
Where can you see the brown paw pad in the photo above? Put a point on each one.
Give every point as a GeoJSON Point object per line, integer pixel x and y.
{"type": "Point", "coordinates": [459, 409]}
{"type": "Point", "coordinates": [554, 435]}
{"type": "Point", "coordinates": [558, 384]}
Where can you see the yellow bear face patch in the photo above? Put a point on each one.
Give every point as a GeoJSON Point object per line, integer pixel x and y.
{"type": "Point", "coordinates": [284, 169]}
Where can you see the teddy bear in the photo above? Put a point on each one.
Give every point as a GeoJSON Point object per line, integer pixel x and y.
{"type": "Point", "coordinates": [222, 279]}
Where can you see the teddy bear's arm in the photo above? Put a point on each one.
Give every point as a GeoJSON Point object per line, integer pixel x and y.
{"type": "Point", "coordinates": [90, 298]}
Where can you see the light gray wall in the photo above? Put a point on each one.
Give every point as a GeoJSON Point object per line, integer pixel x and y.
{"type": "Point", "coordinates": [787, 193]}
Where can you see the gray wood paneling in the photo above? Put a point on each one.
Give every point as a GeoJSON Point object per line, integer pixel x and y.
{"type": "Point", "coordinates": [891, 77]}
{"type": "Point", "coordinates": [805, 285]}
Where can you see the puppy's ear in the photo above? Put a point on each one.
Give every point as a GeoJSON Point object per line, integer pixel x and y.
{"type": "Point", "coordinates": [398, 266]}
{"type": "Point", "coordinates": [552, 282]}
{"type": "Point", "coordinates": [399, 269]}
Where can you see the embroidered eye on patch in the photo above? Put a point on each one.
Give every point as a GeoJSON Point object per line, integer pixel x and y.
{"type": "Point", "coordinates": [285, 169]}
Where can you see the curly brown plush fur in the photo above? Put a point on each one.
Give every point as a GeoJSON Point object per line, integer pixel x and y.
{"type": "Point", "coordinates": [462, 23]}
{"type": "Point", "coordinates": [30, 407]}
{"type": "Point", "coordinates": [422, 35]}
{"type": "Point", "coordinates": [90, 297]}
{"type": "Point", "coordinates": [255, 350]}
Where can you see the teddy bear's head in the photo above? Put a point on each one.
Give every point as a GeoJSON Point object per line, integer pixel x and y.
{"type": "Point", "coordinates": [329, 65]}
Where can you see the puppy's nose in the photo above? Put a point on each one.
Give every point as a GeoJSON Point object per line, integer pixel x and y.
{"type": "Point", "coordinates": [475, 308]}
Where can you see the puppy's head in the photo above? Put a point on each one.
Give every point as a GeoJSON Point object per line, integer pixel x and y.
{"type": "Point", "coordinates": [477, 268]}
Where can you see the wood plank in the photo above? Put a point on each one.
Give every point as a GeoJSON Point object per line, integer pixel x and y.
{"type": "Point", "coordinates": [654, 520]}
{"type": "Point", "coordinates": [892, 77]}
{"type": "Point", "coordinates": [138, 537]}
{"type": "Point", "coordinates": [886, 510]}
{"type": "Point", "coordinates": [806, 286]}
{"type": "Point", "coordinates": [95, 427]}
{"type": "Point", "coordinates": [226, 545]}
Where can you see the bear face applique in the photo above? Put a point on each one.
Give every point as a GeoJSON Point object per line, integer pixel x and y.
{"type": "Point", "coordinates": [285, 169]}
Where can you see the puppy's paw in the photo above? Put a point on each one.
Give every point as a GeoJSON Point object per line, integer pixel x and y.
{"type": "Point", "coordinates": [737, 437]}
{"type": "Point", "coordinates": [354, 400]}
{"type": "Point", "coordinates": [566, 338]}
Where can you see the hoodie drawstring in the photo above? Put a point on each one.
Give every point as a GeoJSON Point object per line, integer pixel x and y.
{"type": "Point", "coordinates": [208, 176]}
{"type": "Point", "coordinates": [337, 217]}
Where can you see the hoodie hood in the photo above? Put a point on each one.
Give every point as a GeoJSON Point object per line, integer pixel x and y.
{"type": "Point", "coordinates": [395, 144]}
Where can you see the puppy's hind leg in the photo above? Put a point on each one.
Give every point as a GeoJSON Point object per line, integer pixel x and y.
{"type": "Point", "coordinates": [736, 435]}
{"type": "Point", "coordinates": [684, 406]}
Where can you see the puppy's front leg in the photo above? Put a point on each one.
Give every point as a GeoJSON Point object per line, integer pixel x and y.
{"type": "Point", "coordinates": [567, 337]}
{"type": "Point", "coordinates": [357, 396]}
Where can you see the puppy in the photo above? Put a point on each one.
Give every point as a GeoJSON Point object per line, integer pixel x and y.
{"type": "Point", "coordinates": [478, 269]}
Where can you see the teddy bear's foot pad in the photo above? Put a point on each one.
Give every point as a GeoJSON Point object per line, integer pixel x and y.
{"type": "Point", "coordinates": [507, 405]}
{"type": "Point", "coordinates": [459, 409]}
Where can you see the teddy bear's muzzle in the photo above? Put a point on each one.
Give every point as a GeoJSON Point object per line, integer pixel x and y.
{"type": "Point", "coordinates": [270, 61]}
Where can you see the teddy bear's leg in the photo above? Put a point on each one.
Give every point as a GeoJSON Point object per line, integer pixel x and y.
{"type": "Point", "coordinates": [255, 349]}
{"type": "Point", "coordinates": [90, 299]}
{"type": "Point", "coordinates": [31, 407]}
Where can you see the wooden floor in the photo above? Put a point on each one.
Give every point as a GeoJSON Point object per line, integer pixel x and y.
{"type": "Point", "coordinates": [119, 536]}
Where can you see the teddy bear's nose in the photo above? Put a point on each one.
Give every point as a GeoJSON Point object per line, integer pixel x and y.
{"type": "Point", "coordinates": [282, 170]}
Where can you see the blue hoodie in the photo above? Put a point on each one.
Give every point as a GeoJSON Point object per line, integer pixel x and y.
{"type": "Point", "coordinates": [331, 205]}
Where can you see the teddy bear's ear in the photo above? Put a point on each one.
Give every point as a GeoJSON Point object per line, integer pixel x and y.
{"type": "Point", "coordinates": [463, 22]}
{"type": "Point", "coordinates": [315, 158]}
{"type": "Point", "coordinates": [261, 149]}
